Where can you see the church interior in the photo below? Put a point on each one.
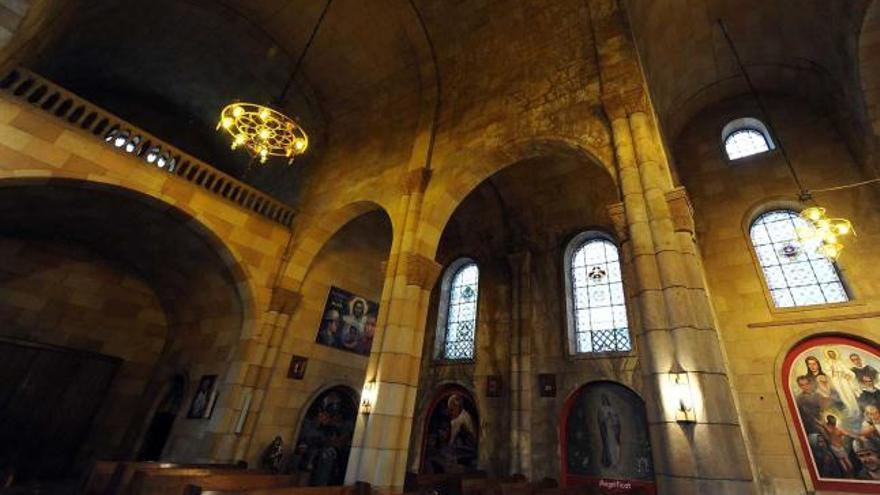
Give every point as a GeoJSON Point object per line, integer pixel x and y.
{"type": "Point", "coordinates": [439, 247]}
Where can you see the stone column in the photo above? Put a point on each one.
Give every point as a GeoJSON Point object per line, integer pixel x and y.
{"type": "Point", "coordinates": [677, 331]}
{"type": "Point", "coordinates": [381, 440]}
{"type": "Point", "coordinates": [520, 365]}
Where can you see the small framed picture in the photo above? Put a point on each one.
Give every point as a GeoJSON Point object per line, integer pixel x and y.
{"type": "Point", "coordinates": [202, 405]}
{"type": "Point", "coordinates": [547, 384]}
{"type": "Point", "coordinates": [493, 386]}
{"type": "Point", "coordinates": [297, 369]}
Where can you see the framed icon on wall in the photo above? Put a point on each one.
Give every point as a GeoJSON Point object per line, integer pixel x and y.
{"type": "Point", "coordinates": [202, 405]}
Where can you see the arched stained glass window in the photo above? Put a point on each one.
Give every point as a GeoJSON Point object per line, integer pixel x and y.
{"type": "Point", "coordinates": [596, 302]}
{"type": "Point", "coordinates": [745, 137]}
{"type": "Point", "coordinates": [796, 273]}
{"type": "Point", "coordinates": [457, 320]}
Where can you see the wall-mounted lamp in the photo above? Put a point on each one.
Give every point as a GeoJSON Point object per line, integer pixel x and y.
{"type": "Point", "coordinates": [683, 396]}
{"type": "Point", "coordinates": [368, 397]}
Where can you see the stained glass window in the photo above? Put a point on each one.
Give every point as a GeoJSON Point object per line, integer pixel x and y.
{"type": "Point", "coordinates": [745, 142]}
{"type": "Point", "coordinates": [461, 312]}
{"type": "Point", "coordinates": [796, 273]}
{"type": "Point", "coordinates": [597, 301]}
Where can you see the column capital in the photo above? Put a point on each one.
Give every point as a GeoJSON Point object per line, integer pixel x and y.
{"type": "Point", "coordinates": [420, 270]}
{"type": "Point", "coordinates": [621, 103]}
{"type": "Point", "coordinates": [617, 212]}
{"type": "Point", "coordinates": [681, 209]}
{"type": "Point", "coordinates": [284, 301]}
{"type": "Point", "coordinates": [416, 180]}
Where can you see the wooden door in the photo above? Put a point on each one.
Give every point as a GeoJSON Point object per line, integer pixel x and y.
{"type": "Point", "coordinates": [48, 398]}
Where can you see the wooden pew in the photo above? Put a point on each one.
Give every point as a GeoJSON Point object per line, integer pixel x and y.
{"type": "Point", "coordinates": [359, 488]}
{"type": "Point", "coordinates": [124, 472]}
{"type": "Point", "coordinates": [177, 481]}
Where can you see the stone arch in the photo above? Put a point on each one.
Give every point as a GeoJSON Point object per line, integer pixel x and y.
{"type": "Point", "coordinates": [320, 228]}
{"type": "Point", "coordinates": [448, 189]}
{"type": "Point", "coordinates": [234, 264]}
{"type": "Point", "coordinates": [204, 293]}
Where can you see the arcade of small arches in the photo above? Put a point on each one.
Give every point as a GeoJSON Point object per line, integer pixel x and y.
{"type": "Point", "coordinates": [547, 257]}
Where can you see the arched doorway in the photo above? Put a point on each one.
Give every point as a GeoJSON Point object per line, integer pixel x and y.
{"type": "Point", "coordinates": [451, 436]}
{"type": "Point", "coordinates": [605, 442]}
{"type": "Point", "coordinates": [830, 386]}
{"type": "Point", "coordinates": [163, 419]}
{"type": "Point", "coordinates": [325, 437]}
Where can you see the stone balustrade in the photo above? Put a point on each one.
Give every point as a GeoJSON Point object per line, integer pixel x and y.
{"type": "Point", "coordinates": [26, 86]}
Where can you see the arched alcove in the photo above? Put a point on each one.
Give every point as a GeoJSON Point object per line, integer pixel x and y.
{"type": "Point", "coordinates": [104, 270]}
{"type": "Point", "coordinates": [325, 434]}
{"type": "Point", "coordinates": [604, 439]}
{"type": "Point", "coordinates": [451, 432]}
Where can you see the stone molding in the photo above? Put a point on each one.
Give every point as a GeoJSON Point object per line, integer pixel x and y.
{"type": "Point", "coordinates": [284, 301]}
{"type": "Point", "coordinates": [420, 270]}
{"type": "Point", "coordinates": [625, 102]}
{"type": "Point", "coordinates": [681, 209]}
{"type": "Point", "coordinates": [617, 212]}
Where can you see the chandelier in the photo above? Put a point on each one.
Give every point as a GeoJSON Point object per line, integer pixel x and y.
{"type": "Point", "coordinates": [264, 131]}
{"type": "Point", "coordinates": [822, 232]}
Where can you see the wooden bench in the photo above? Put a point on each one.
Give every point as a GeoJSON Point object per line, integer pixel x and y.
{"type": "Point", "coordinates": [357, 489]}
{"type": "Point", "coordinates": [177, 481]}
{"type": "Point", "coordinates": [123, 472]}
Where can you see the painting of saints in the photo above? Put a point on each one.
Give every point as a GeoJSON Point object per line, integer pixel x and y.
{"type": "Point", "coordinates": [451, 434]}
{"type": "Point", "coordinates": [609, 429]}
{"type": "Point", "coordinates": [834, 401]}
{"type": "Point", "coordinates": [348, 322]}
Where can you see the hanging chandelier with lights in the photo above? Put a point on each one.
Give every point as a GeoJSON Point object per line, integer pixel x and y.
{"type": "Point", "coordinates": [818, 232]}
{"type": "Point", "coordinates": [263, 131]}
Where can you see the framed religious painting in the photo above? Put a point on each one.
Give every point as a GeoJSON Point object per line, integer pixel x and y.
{"type": "Point", "coordinates": [830, 386]}
{"type": "Point", "coordinates": [451, 433]}
{"type": "Point", "coordinates": [297, 368]}
{"type": "Point", "coordinates": [605, 441]}
{"type": "Point", "coordinates": [348, 323]}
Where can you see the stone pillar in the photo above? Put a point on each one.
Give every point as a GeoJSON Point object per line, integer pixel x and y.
{"type": "Point", "coordinates": [381, 440]}
{"type": "Point", "coordinates": [520, 365]}
{"type": "Point", "coordinates": [677, 331]}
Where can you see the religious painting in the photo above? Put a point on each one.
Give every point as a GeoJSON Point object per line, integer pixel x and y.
{"type": "Point", "coordinates": [451, 433]}
{"type": "Point", "coordinates": [831, 390]}
{"type": "Point", "coordinates": [605, 439]}
{"type": "Point", "coordinates": [547, 384]}
{"type": "Point", "coordinates": [324, 440]}
{"type": "Point", "coordinates": [203, 401]}
{"type": "Point", "coordinates": [297, 368]}
{"type": "Point", "coordinates": [348, 323]}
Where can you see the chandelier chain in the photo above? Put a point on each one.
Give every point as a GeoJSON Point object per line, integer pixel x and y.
{"type": "Point", "coordinates": [302, 54]}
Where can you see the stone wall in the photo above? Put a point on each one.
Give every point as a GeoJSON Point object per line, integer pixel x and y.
{"type": "Point", "coordinates": [62, 294]}
{"type": "Point", "coordinates": [727, 196]}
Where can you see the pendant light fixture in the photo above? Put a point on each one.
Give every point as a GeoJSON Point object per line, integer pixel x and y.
{"type": "Point", "coordinates": [819, 232]}
{"type": "Point", "coordinates": [264, 131]}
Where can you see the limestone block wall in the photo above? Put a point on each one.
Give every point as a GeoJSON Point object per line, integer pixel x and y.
{"type": "Point", "coordinates": [756, 336]}
{"type": "Point", "coordinates": [352, 260]}
{"type": "Point", "coordinates": [61, 294]}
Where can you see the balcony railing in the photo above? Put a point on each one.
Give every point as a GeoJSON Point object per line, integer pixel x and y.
{"type": "Point", "coordinates": [38, 92]}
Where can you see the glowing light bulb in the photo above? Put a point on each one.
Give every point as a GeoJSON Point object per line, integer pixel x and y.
{"type": "Point", "coordinates": [299, 145]}
{"type": "Point", "coordinates": [264, 114]}
{"type": "Point", "coordinates": [264, 134]}
{"type": "Point", "coordinates": [237, 111]}
{"type": "Point", "coordinates": [226, 122]}
{"type": "Point", "coordinates": [814, 213]}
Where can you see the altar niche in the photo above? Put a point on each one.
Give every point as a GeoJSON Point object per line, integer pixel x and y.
{"type": "Point", "coordinates": [605, 440]}
{"type": "Point", "coordinates": [452, 434]}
